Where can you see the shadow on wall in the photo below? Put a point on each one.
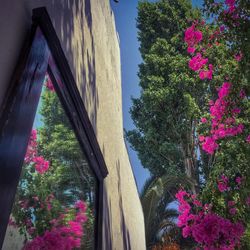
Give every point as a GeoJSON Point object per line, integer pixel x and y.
{"type": "Point", "coordinates": [107, 218]}
{"type": "Point", "coordinates": [107, 222]}
{"type": "Point", "coordinates": [124, 230]}
{"type": "Point", "coordinates": [72, 20]}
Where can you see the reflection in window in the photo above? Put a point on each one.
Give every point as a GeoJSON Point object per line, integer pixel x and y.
{"type": "Point", "coordinates": [54, 206]}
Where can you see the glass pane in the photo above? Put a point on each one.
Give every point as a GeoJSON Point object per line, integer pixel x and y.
{"type": "Point", "coordinates": [55, 202]}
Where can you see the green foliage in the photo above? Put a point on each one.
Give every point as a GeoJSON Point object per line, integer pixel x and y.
{"type": "Point", "coordinates": [171, 99]}
{"type": "Point", "coordinates": [68, 178]}
{"type": "Point", "coordinates": [156, 195]}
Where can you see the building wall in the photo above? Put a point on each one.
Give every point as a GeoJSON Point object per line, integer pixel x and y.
{"type": "Point", "coordinates": [87, 32]}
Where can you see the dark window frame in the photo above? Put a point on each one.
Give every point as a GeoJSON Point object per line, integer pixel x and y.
{"type": "Point", "coordinates": [22, 99]}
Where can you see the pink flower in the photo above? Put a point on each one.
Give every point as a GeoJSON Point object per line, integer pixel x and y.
{"type": "Point", "coordinates": [222, 28]}
{"type": "Point", "coordinates": [32, 147]}
{"type": "Point", "coordinates": [191, 50]}
{"type": "Point", "coordinates": [236, 110]}
{"type": "Point", "coordinates": [238, 180]}
{"type": "Point", "coordinates": [231, 203]}
{"type": "Point", "coordinates": [242, 94]}
{"type": "Point", "coordinates": [192, 36]}
{"type": "Point", "coordinates": [186, 231]}
{"type": "Point", "coordinates": [197, 62]}
{"type": "Point", "coordinates": [206, 74]}
{"type": "Point", "coordinates": [223, 184]}
{"type": "Point", "coordinates": [41, 165]}
{"type": "Point", "coordinates": [210, 145]}
{"type": "Point", "coordinates": [248, 139]}
{"type": "Point", "coordinates": [211, 102]}
{"type": "Point", "coordinates": [222, 187]}
{"type": "Point", "coordinates": [48, 83]}
{"type": "Point", "coordinates": [201, 138]}
{"type": "Point", "coordinates": [233, 211]}
{"type": "Point", "coordinates": [238, 57]}
{"type": "Point", "coordinates": [203, 120]}
{"type": "Point", "coordinates": [224, 90]}
{"type": "Point", "coordinates": [230, 2]}
{"type": "Point", "coordinates": [81, 205]}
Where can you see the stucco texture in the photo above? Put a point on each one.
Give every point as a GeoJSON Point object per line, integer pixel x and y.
{"type": "Point", "coordinates": [88, 37]}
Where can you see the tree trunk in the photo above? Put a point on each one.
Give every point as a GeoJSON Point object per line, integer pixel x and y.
{"type": "Point", "coordinates": [189, 158]}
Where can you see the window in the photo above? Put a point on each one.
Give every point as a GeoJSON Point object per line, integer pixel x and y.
{"type": "Point", "coordinates": [52, 169]}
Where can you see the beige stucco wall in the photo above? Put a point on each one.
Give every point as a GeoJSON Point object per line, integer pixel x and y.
{"type": "Point", "coordinates": [86, 29]}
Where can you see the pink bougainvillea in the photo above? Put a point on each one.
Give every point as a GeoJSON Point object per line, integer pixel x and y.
{"type": "Point", "coordinates": [223, 184]}
{"type": "Point", "coordinates": [32, 157]}
{"type": "Point", "coordinates": [248, 139]}
{"type": "Point", "coordinates": [209, 145]}
{"type": "Point", "coordinates": [192, 36]}
{"type": "Point", "coordinates": [197, 62]}
{"type": "Point", "coordinates": [32, 147]}
{"type": "Point", "coordinates": [208, 229]}
{"type": "Point", "coordinates": [41, 165]}
{"type": "Point", "coordinates": [61, 236]}
{"type": "Point", "coordinates": [206, 74]}
{"type": "Point", "coordinates": [223, 120]}
{"type": "Point", "coordinates": [48, 83]}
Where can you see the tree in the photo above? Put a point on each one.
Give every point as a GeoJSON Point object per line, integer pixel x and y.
{"type": "Point", "coordinates": [56, 183]}
{"type": "Point", "coordinates": [166, 113]}
{"type": "Point", "coordinates": [193, 111]}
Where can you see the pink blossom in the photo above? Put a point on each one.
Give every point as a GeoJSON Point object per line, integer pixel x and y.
{"type": "Point", "coordinates": [197, 62]}
{"type": "Point", "coordinates": [224, 90]}
{"type": "Point", "coordinates": [248, 139]}
{"type": "Point", "coordinates": [81, 205]}
{"type": "Point", "coordinates": [230, 2]}
{"type": "Point", "coordinates": [231, 203]}
{"type": "Point", "coordinates": [192, 36]}
{"type": "Point", "coordinates": [210, 145]}
{"type": "Point", "coordinates": [236, 110]}
{"type": "Point", "coordinates": [238, 57]}
{"type": "Point", "coordinates": [211, 102]}
{"type": "Point", "coordinates": [238, 180]}
{"type": "Point", "coordinates": [205, 74]}
{"type": "Point", "coordinates": [191, 50]}
{"type": "Point", "coordinates": [209, 230]}
{"type": "Point", "coordinates": [242, 94]}
{"type": "Point", "coordinates": [48, 83]}
{"type": "Point", "coordinates": [41, 165]}
{"type": "Point", "coordinates": [32, 147]}
{"type": "Point", "coordinates": [203, 120]}
{"type": "Point", "coordinates": [233, 211]}
{"type": "Point", "coordinates": [222, 28]}
{"type": "Point", "coordinates": [222, 187]}
{"type": "Point", "coordinates": [201, 138]}
{"type": "Point", "coordinates": [61, 237]}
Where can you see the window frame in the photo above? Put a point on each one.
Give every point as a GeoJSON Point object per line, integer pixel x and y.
{"type": "Point", "coordinates": [22, 93]}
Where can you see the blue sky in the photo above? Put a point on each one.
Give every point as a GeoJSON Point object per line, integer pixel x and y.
{"type": "Point", "coordinates": [125, 15]}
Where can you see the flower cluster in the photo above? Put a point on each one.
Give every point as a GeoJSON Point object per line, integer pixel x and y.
{"type": "Point", "coordinates": [41, 165]}
{"type": "Point", "coordinates": [223, 120]}
{"type": "Point", "coordinates": [48, 83]}
{"type": "Point", "coordinates": [230, 6]}
{"type": "Point", "coordinates": [223, 184]}
{"type": "Point", "coordinates": [207, 228]}
{"type": "Point", "coordinates": [61, 236]}
{"type": "Point", "coordinates": [197, 62]}
{"type": "Point", "coordinates": [193, 37]}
